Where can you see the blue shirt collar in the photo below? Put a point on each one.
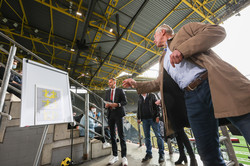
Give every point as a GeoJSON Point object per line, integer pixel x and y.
{"type": "Point", "coordinates": [165, 49]}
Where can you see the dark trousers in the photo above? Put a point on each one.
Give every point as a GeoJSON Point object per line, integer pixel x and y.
{"type": "Point", "coordinates": [119, 123]}
{"type": "Point", "coordinates": [242, 123]}
{"type": "Point", "coordinates": [182, 140]}
{"type": "Point", "coordinates": [98, 129]}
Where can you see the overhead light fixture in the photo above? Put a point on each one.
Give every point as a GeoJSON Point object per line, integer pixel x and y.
{"type": "Point", "coordinates": [36, 30]}
{"type": "Point", "coordinates": [4, 20]}
{"type": "Point", "coordinates": [82, 75]}
{"type": "Point", "coordinates": [15, 25]}
{"type": "Point", "coordinates": [78, 13]}
{"type": "Point", "coordinates": [72, 49]}
{"type": "Point", "coordinates": [111, 30]}
{"type": "Point", "coordinates": [68, 68]}
{"type": "Point", "coordinates": [70, 7]}
{"type": "Point", "coordinates": [70, 4]}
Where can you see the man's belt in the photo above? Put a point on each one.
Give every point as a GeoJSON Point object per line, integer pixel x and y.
{"type": "Point", "coordinates": [194, 84]}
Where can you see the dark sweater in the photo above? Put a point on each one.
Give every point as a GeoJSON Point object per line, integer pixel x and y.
{"type": "Point", "coordinates": [148, 109]}
{"type": "Point", "coordinates": [145, 113]}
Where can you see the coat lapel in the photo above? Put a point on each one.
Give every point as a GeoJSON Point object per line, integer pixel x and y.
{"type": "Point", "coordinates": [167, 125]}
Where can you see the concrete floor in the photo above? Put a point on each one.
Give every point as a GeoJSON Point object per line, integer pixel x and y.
{"type": "Point", "coordinates": [135, 155]}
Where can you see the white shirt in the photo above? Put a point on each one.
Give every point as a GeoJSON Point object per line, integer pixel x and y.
{"type": "Point", "coordinates": [184, 72]}
{"type": "Point", "coordinates": [144, 97]}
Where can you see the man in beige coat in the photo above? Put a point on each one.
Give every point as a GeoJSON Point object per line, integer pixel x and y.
{"type": "Point", "coordinates": [212, 88]}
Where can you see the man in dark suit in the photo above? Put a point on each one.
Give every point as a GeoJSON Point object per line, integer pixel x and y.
{"type": "Point", "coordinates": [115, 100]}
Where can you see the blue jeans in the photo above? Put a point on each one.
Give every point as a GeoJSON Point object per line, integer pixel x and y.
{"type": "Point", "coordinates": [242, 123]}
{"type": "Point", "coordinates": [156, 127]}
{"type": "Point", "coordinates": [205, 127]}
{"type": "Point", "coordinates": [91, 127]}
{"type": "Point", "coordinates": [200, 113]}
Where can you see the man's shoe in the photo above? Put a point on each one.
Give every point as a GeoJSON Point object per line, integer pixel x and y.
{"type": "Point", "coordinates": [161, 158]}
{"type": "Point", "coordinates": [147, 157]}
{"type": "Point", "coordinates": [106, 145]}
{"type": "Point", "coordinates": [113, 159]}
{"type": "Point", "coordinates": [124, 161]}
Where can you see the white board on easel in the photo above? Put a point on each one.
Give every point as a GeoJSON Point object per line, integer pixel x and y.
{"type": "Point", "coordinates": [45, 95]}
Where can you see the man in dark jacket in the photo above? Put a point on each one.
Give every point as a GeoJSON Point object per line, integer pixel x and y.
{"type": "Point", "coordinates": [115, 101]}
{"type": "Point", "coordinates": [148, 112]}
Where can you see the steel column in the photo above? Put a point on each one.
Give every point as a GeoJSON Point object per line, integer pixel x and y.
{"type": "Point", "coordinates": [40, 148]}
{"type": "Point", "coordinates": [86, 141]}
{"type": "Point", "coordinates": [6, 79]}
{"type": "Point", "coordinates": [102, 107]}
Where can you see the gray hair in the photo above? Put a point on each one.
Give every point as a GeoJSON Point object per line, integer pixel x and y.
{"type": "Point", "coordinates": [168, 29]}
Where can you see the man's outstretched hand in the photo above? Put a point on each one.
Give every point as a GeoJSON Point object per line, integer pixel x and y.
{"type": "Point", "coordinates": [158, 102]}
{"type": "Point", "coordinates": [129, 83]}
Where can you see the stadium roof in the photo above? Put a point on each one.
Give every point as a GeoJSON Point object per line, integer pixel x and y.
{"type": "Point", "coordinates": [95, 40]}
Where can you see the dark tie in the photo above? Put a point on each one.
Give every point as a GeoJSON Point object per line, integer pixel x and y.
{"type": "Point", "coordinates": [111, 97]}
